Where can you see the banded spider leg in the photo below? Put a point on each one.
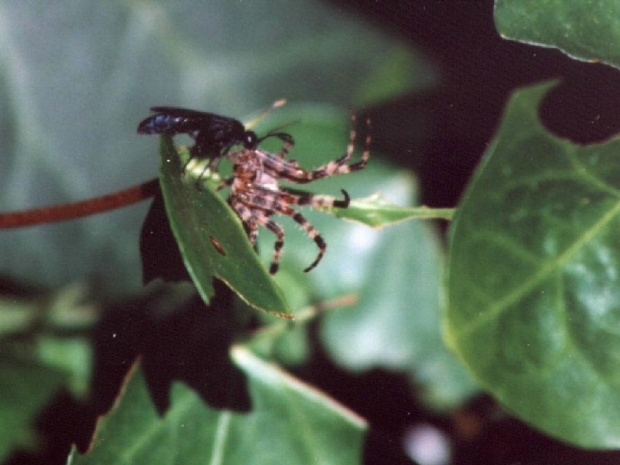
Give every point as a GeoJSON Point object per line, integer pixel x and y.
{"type": "Point", "coordinates": [276, 166]}
{"type": "Point", "coordinates": [257, 206]}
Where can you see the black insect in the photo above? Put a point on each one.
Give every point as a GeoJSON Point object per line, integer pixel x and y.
{"type": "Point", "coordinates": [214, 135]}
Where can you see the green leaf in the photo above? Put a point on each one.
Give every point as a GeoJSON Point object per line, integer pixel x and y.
{"type": "Point", "coordinates": [533, 283]}
{"type": "Point", "coordinates": [25, 388]}
{"type": "Point", "coordinates": [290, 422]}
{"type": "Point", "coordinates": [211, 238]}
{"type": "Point", "coordinates": [397, 73]}
{"type": "Point", "coordinates": [375, 211]}
{"type": "Point", "coordinates": [582, 29]}
{"type": "Point", "coordinates": [71, 355]}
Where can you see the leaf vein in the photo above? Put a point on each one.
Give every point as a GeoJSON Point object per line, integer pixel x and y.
{"type": "Point", "coordinates": [502, 305]}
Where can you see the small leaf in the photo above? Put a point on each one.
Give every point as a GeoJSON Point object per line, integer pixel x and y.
{"type": "Point", "coordinates": [72, 356]}
{"type": "Point", "coordinates": [377, 212]}
{"type": "Point", "coordinates": [290, 422]}
{"type": "Point", "coordinates": [533, 282]}
{"type": "Point", "coordinates": [211, 239]}
{"type": "Point", "coordinates": [584, 30]}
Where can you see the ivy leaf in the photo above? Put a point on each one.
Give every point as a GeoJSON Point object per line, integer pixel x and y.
{"type": "Point", "coordinates": [584, 30]}
{"type": "Point", "coordinates": [533, 282]}
{"type": "Point", "coordinates": [211, 239]}
{"type": "Point", "coordinates": [290, 422]}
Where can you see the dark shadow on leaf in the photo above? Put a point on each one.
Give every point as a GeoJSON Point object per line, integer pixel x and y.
{"type": "Point", "coordinates": [158, 247]}
{"type": "Point", "coordinates": [193, 346]}
{"type": "Point", "coordinates": [187, 342]}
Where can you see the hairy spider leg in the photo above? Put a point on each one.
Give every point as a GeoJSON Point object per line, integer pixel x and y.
{"type": "Point", "coordinates": [289, 143]}
{"type": "Point", "coordinates": [279, 245]}
{"type": "Point", "coordinates": [267, 199]}
{"type": "Point", "coordinates": [258, 208]}
{"type": "Point", "coordinates": [290, 170]}
{"type": "Point", "coordinates": [253, 232]}
{"type": "Point", "coordinates": [252, 217]}
{"type": "Point", "coordinates": [311, 231]}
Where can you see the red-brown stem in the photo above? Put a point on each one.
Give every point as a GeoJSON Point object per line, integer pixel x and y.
{"type": "Point", "coordinates": [88, 207]}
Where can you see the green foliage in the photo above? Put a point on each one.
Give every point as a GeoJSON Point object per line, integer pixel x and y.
{"type": "Point", "coordinates": [533, 277]}
{"type": "Point", "coordinates": [34, 370]}
{"type": "Point", "coordinates": [26, 388]}
{"type": "Point", "coordinates": [582, 29]}
{"type": "Point", "coordinates": [323, 56]}
{"type": "Point", "coordinates": [290, 422]}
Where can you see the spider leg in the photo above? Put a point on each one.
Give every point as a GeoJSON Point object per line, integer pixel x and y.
{"type": "Point", "coordinates": [277, 251]}
{"type": "Point", "coordinates": [269, 199]}
{"type": "Point", "coordinates": [253, 232]}
{"type": "Point", "coordinates": [298, 197]}
{"type": "Point", "coordinates": [311, 231]}
{"type": "Point", "coordinates": [225, 183]}
{"type": "Point", "coordinates": [289, 143]}
{"type": "Point", "coordinates": [251, 218]}
{"type": "Point", "coordinates": [290, 171]}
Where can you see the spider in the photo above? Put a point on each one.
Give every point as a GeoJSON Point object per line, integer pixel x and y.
{"type": "Point", "coordinates": [256, 195]}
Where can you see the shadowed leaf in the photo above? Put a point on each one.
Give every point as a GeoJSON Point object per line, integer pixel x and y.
{"type": "Point", "coordinates": [290, 422]}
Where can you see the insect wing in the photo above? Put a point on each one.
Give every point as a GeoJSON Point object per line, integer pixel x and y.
{"type": "Point", "coordinates": [169, 120]}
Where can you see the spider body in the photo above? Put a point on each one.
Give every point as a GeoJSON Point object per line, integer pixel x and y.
{"type": "Point", "coordinates": [255, 193]}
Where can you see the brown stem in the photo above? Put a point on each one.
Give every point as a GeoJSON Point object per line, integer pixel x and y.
{"type": "Point", "coordinates": [88, 207]}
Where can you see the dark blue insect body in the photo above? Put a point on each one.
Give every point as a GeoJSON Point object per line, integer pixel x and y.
{"type": "Point", "coordinates": [214, 134]}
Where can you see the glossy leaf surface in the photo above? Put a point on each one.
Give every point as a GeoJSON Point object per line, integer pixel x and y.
{"type": "Point", "coordinates": [533, 281]}
{"type": "Point", "coordinates": [290, 422]}
{"type": "Point", "coordinates": [582, 29]}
